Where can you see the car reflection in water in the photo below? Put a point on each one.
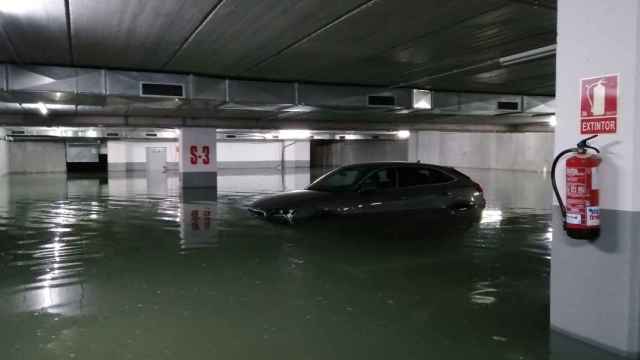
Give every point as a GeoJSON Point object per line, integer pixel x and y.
{"type": "Point", "coordinates": [398, 193]}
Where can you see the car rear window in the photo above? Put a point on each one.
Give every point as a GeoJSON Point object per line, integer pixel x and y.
{"type": "Point", "coordinates": [418, 176]}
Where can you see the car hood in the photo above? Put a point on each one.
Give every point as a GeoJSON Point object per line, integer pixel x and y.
{"type": "Point", "coordinates": [293, 199]}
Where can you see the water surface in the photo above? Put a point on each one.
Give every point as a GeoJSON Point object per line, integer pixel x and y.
{"type": "Point", "coordinates": [128, 267]}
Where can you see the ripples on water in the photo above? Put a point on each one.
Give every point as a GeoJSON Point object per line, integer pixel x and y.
{"type": "Point", "coordinates": [128, 254]}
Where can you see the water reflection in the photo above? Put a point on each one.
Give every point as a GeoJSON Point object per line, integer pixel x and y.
{"type": "Point", "coordinates": [95, 266]}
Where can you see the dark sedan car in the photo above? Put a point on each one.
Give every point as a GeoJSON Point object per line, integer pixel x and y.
{"type": "Point", "coordinates": [389, 190]}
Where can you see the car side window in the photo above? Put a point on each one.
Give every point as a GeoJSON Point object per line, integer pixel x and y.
{"type": "Point", "coordinates": [381, 179]}
{"type": "Point", "coordinates": [417, 176]}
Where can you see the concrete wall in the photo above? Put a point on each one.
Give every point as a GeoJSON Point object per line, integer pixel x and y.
{"type": "Point", "coordinates": [262, 154]}
{"type": "Point", "coordinates": [37, 157]}
{"type": "Point", "coordinates": [4, 154]}
{"type": "Point", "coordinates": [132, 155]}
{"type": "Point", "coordinates": [331, 153]}
{"type": "Point", "coordinates": [504, 151]}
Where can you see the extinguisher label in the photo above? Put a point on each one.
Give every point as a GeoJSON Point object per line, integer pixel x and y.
{"type": "Point", "coordinates": [593, 216]}
{"type": "Point", "coordinates": [575, 219]}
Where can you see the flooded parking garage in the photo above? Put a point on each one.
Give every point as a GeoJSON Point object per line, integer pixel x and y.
{"type": "Point", "coordinates": [139, 141]}
{"type": "Point", "coordinates": [125, 267]}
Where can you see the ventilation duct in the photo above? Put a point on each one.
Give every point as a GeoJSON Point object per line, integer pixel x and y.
{"type": "Point", "coordinates": [172, 98]}
{"type": "Point", "coordinates": [360, 98]}
{"type": "Point", "coordinates": [161, 90]}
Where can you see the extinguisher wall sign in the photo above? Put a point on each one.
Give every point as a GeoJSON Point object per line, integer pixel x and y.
{"type": "Point", "coordinates": [599, 104]}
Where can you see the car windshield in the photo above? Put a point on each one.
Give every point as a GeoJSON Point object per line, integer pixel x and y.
{"type": "Point", "coordinates": [343, 179]}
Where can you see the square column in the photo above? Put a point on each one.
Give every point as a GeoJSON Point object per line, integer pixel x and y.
{"type": "Point", "coordinates": [595, 286]}
{"type": "Point", "coordinates": [198, 165]}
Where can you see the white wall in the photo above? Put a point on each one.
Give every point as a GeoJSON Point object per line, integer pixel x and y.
{"type": "Point", "coordinates": [230, 154]}
{"type": "Point", "coordinates": [299, 151]}
{"type": "Point", "coordinates": [249, 151]}
{"type": "Point", "coordinates": [262, 154]}
{"type": "Point", "coordinates": [505, 151]}
{"type": "Point", "coordinates": [120, 151]}
{"type": "Point", "coordinates": [37, 157]}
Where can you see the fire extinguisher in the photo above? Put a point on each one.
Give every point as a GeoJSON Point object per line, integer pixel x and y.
{"type": "Point", "coordinates": [581, 211]}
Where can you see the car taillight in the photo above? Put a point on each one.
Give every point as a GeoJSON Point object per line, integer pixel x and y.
{"type": "Point", "coordinates": [478, 187]}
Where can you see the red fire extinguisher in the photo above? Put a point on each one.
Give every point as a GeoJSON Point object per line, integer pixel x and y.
{"type": "Point", "coordinates": [581, 211]}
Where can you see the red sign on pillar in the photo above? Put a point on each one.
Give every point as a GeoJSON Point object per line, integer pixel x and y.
{"type": "Point", "coordinates": [599, 104]}
{"type": "Point", "coordinates": [199, 154]}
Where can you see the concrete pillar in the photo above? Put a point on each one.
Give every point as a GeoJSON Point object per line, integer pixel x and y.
{"type": "Point", "coordinates": [413, 145]}
{"type": "Point", "coordinates": [198, 167]}
{"type": "Point", "coordinates": [4, 153]}
{"type": "Point", "coordinates": [595, 286]}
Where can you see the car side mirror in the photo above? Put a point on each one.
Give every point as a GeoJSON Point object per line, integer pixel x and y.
{"type": "Point", "coordinates": [367, 188]}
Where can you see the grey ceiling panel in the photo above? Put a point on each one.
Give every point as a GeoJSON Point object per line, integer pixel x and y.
{"type": "Point", "coordinates": [37, 29]}
{"type": "Point", "coordinates": [242, 33]}
{"type": "Point", "coordinates": [496, 34]}
{"type": "Point", "coordinates": [432, 39]}
{"type": "Point", "coordinates": [6, 52]}
{"type": "Point", "coordinates": [382, 26]}
{"type": "Point", "coordinates": [442, 45]}
{"type": "Point", "coordinates": [534, 77]}
{"type": "Point", "coordinates": [138, 34]}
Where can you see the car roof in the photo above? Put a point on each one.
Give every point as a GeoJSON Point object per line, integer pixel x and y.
{"type": "Point", "coordinates": [391, 163]}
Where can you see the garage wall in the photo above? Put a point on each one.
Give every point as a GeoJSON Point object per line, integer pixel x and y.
{"type": "Point", "coordinates": [262, 154]}
{"type": "Point", "coordinates": [37, 157]}
{"type": "Point", "coordinates": [132, 155]}
{"type": "Point", "coordinates": [332, 153]}
{"type": "Point", "coordinates": [505, 151]}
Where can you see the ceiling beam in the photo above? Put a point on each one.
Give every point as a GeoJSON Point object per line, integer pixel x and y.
{"type": "Point", "coordinates": [313, 34]}
{"type": "Point", "coordinates": [5, 36]}
{"type": "Point", "coordinates": [67, 12]}
{"type": "Point", "coordinates": [194, 33]}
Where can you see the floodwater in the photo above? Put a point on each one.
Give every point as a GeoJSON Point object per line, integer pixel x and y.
{"type": "Point", "coordinates": [128, 267]}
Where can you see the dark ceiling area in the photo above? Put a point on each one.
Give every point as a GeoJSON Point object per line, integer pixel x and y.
{"type": "Point", "coordinates": [434, 44]}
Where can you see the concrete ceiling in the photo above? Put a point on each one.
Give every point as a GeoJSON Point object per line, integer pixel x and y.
{"type": "Point", "coordinates": [420, 43]}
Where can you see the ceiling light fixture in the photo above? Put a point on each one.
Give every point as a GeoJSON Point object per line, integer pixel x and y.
{"type": "Point", "coordinates": [528, 55]}
{"type": "Point", "coordinates": [294, 134]}
{"type": "Point", "coordinates": [43, 109]}
{"type": "Point", "coordinates": [349, 137]}
{"type": "Point", "coordinates": [19, 7]}
{"type": "Point", "coordinates": [299, 109]}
